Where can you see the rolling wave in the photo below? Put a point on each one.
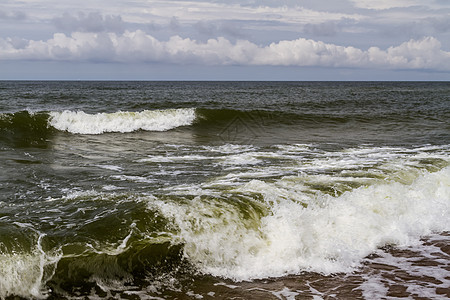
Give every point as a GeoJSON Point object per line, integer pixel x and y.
{"type": "Point", "coordinates": [35, 129]}
{"type": "Point", "coordinates": [34, 124]}
{"type": "Point", "coordinates": [148, 120]}
{"type": "Point", "coordinates": [231, 125]}
{"type": "Point", "coordinates": [80, 122]}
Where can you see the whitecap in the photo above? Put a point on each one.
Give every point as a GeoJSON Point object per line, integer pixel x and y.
{"type": "Point", "coordinates": [149, 120]}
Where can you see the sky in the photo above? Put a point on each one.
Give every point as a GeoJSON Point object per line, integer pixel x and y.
{"type": "Point", "coordinates": [225, 40]}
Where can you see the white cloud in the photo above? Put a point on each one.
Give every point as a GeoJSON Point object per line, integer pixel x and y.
{"type": "Point", "coordinates": [415, 54]}
{"type": "Point", "coordinates": [137, 46]}
{"type": "Point", "coordinates": [387, 4]}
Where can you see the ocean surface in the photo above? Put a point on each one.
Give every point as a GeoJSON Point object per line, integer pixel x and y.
{"type": "Point", "coordinates": [224, 190]}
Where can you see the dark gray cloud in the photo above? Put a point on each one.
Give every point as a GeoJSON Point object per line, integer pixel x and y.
{"type": "Point", "coordinates": [206, 28]}
{"type": "Point", "coordinates": [174, 24]}
{"type": "Point", "coordinates": [234, 30]}
{"type": "Point", "coordinates": [19, 43]}
{"type": "Point", "coordinates": [12, 15]}
{"type": "Point", "coordinates": [323, 29]}
{"type": "Point", "coordinates": [415, 29]}
{"type": "Point", "coordinates": [91, 22]}
{"type": "Point", "coordinates": [441, 24]}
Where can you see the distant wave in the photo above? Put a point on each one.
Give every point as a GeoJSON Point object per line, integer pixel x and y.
{"type": "Point", "coordinates": [26, 125]}
{"type": "Point", "coordinates": [41, 124]}
{"type": "Point", "coordinates": [149, 120]}
{"type": "Point", "coordinates": [35, 129]}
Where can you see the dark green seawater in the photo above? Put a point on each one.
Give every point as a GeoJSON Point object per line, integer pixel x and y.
{"type": "Point", "coordinates": [219, 190]}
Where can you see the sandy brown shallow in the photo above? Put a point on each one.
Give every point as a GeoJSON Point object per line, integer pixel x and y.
{"type": "Point", "coordinates": [389, 273]}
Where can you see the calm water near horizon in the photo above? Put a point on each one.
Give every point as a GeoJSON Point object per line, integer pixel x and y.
{"type": "Point", "coordinates": [224, 190]}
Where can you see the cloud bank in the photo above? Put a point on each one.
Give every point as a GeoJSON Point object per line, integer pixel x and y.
{"type": "Point", "coordinates": [139, 47]}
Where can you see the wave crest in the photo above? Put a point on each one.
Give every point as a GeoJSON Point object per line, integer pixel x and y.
{"type": "Point", "coordinates": [149, 120]}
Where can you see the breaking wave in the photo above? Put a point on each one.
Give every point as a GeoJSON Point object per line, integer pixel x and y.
{"type": "Point", "coordinates": [42, 123]}
{"type": "Point", "coordinates": [263, 229]}
{"type": "Point", "coordinates": [149, 120]}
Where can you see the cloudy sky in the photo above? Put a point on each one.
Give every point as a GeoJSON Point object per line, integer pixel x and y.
{"type": "Point", "coordinates": [225, 40]}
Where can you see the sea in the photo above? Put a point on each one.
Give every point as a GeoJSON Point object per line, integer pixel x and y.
{"type": "Point", "coordinates": [224, 190]}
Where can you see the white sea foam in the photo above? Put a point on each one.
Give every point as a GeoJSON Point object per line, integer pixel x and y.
{"type": "Point", "coordinates": [25, 274]}
{"type": "Point", "coordinates": [170, 159]}
{"type": "Point", "coordinates": [150, 120]}
{"type": "Point", "coordinates": [229, 148]}
{"type": "Point", "coordinates": [241, 159]}
{"type": "Point", "coordinates": [134, 178]}
{"type": "Point", "coordinates": [114, 249]}
{"type": "Point", "coordinates": [296, 230]}
{"type": "Point", "coordinates": [110, 167]}
{"type": "Point", "coordinates": [111, 187]}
